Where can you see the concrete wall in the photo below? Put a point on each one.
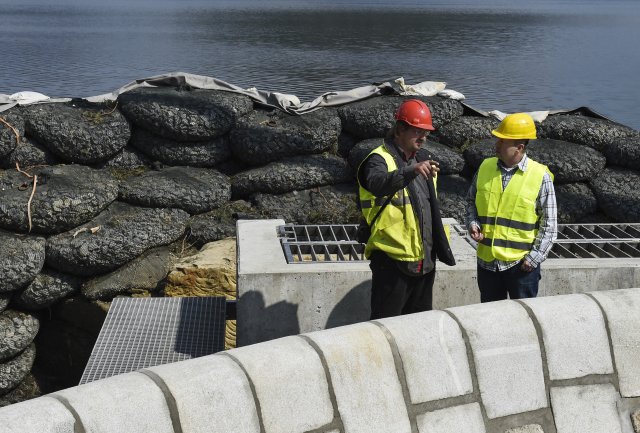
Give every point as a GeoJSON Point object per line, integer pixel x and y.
{"type": "Point", "coordinates": [278, 299]}
{"type": "Point", "coordinates": [563, 364]}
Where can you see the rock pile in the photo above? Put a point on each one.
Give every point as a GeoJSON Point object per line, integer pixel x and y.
{"type": "Point", "coordinates": [98, 200]}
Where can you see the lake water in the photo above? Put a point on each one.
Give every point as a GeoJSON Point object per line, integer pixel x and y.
{"type": "Point", "coordinates": [517, 55]}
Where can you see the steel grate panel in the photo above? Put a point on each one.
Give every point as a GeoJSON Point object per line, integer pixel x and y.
{"type": "Point", "coordinates": [320, 243]}
{"type": "Point", "coordinates": [143, 332]}
{"type": "Point", "coordinates": [589, 241]}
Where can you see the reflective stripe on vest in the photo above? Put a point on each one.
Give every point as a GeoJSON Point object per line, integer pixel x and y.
{"type": "Point", "coordinates": [508, 218]}
{"type": "Point", "coordinates": [396, 230]}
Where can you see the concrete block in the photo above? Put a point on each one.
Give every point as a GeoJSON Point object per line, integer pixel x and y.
{"type": "Point", "coordinates": [289, 379]}
{"type": "Point", "coordinates": [364, 377]}
{"type": "Point", "coordinates": [622, 308]}
{"type": "Point", "coordinates": [574, 335]}
{"type": "Point", "coordinates": [529, 428]}
{"type": "Point", "coordinates": [212, 395]}
{"type": "Point", "coordinates": [44, 414]}
{"type": "Point", "coordinates": [433, 354]}
{"type": "Point", "coordinates": [126, 403]}
{"type": "Point", "coordinates": [586, 409]}
{"type": "Point", "coordinates": [507, 357]}
{"type": "Point", "coordinates": [466, 418]}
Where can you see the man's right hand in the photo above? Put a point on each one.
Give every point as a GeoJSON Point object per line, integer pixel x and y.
{"type": "Point", "coordinates": [476, 234]}
{"type": "Point", "coordinates": [428, 169]}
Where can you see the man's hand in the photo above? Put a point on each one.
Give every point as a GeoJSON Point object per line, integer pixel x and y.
{"type": "Point", "coordinates": [475, 233]}
{"type": "Point", "coordinates": [428, 169]}
{"type": "Point", "coordinates": [526, 266]}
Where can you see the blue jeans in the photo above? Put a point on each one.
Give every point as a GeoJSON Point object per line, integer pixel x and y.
{"type": "Point", "coordinates": [495, 286]}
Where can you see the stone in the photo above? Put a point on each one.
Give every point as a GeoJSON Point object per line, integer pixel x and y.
{"type": "Point", "coordinates": [184, 114]}
{"type": "Point", "coordinates": [569, 162]}
{"type": "Point", "coordinates": [21, 259]}
{"type": "Point", "coordinates": [586, 409]}
{"type": "Point", "coordinates": [574, 336]}
{"type": "Point", "coordinates": [507, 356]}
{"type": "Point", "coordinates": [361, 150]}
{"type": "Point", "coordinates": [465, 418]}
{"type": "Point", "coordinates": [28, 153]}
{"type": "Point", "coordinates": [618, 194]}
{"type": "Point", "coordinates": [332, 204]}
{"type": "Point", "coordinates": [635, 421]}
{"type": "Point", "coordinates": [291, 174]}
{"type": "Point", "coordinates": [14, 370]}
{"type": "Point", "coordinates": [79, 132]}
{"type": "Point", "coordinates": [262, 137]}
{"type": "Point", "coordinates": [118, 235]}
{"type": "Point", "coordinates": [300, 377]}
{"type": "Point", "coordinates": [10, 120]}
{"type": "Point", "coordinates": [142, 274]}
{"type": "Point", "coordinates": [128, 158]}
{"type": "Point", "coordinates": [219, 223]}
{"type": "Point", "coordinates": [373, 117]}
{"type": "Point", "coordinates": [621, 308]}
{"type": "Point", "coordinates": [465, 130]}
{"type": "Point", "coordinates": [17, 331]}
{"type": "Point", "coordinates": [172, 152]}
{"type": "Point", "coordinates": [434, 355]}
{"type": "Point", "coordinates": [576, 202]}
{"type": "Point", "coordinates": [361, 364]}
{"type": "Point", "coordinates": [5, 298]}
{"type": "Point", "coordinates": [619, 144]}
{"type": "Point", "coordinates": [52, 417]}
{"type": "Point", "coordinates": [48, 288]}
{"type": "Point", "coordinates": [138, 402]}
{"type": "Point", "coordinates": [345, 144]}
{"type": "Point", "coordinates": [195, 190]}
{"type": "Point", "coordinates": [203, 399]}
{"type": "Point", "coordinates": [65, 197]}
{"type": "Point", "coordinates": [529, 428]}
{"type": "Point", "coordinates": [27, 389]}
{"type": "Point", "coordinates": [452, 195]}
{"type": "Point", "coordinates": [451, 162]}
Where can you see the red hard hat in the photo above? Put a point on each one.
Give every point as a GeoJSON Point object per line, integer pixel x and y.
{"type": "Point", "coordinates": [415, 113]}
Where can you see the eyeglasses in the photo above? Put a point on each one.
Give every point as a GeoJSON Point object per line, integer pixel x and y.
{"type": "Point", "coordinates": [420, 132]}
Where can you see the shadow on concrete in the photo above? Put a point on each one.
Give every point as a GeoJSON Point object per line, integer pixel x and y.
{"type": "Point", "coordinates": [355, 307]}
{"type": "Point", "coordinates": [280, 319]}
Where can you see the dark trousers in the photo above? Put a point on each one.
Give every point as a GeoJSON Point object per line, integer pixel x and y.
{"type": "Point", "coordinates": [518, 284]}
{"type": "Point", "coordinates": [394, 293]}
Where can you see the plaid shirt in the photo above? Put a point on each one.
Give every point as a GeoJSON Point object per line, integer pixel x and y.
{"type": "Point", "coordinates": [545, 208]}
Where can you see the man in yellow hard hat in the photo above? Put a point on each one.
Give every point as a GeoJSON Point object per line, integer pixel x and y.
{"type": "Point", "coordinates": [512, 214]}
{"type": "Point", "coordinates": [398, 201]}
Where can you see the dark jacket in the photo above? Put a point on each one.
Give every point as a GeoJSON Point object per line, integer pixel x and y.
{"type": "Point", "coordinates": [374, 176]}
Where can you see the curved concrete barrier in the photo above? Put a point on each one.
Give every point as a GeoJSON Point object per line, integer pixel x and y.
{"type": "Point", "coordinates": [556, 364]}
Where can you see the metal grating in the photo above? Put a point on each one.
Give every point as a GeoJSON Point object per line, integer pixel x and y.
{"type": "Point", "coordinates": [320, 243]}
{"type": "Point", "coordinates": [590, 241]}
{"type": "Point", "coordinates": [143, 332]}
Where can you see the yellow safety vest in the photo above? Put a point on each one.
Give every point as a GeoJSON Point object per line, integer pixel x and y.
{"type": "Point", "coordinates": [508, 218]}
{"type": "Point", "coordinates": [396, 230]}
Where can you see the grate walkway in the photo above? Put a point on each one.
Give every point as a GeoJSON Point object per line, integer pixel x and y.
{"type": "Point", "coordinates": [143, 332]}
{"type": "Point", "coordinates": [320, 243]}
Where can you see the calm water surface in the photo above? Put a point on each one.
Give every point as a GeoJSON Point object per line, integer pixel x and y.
{"type": "Point", "coordinates": [507, 55]}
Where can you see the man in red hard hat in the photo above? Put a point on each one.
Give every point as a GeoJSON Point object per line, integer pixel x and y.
{"type": "Point", "coordinates": [398, 200]}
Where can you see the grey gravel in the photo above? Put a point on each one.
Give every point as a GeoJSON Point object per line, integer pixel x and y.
{"type": "Point", "coordinates": [374, 116]}
{"type": "Point", "coordinates": [361, 150]}
{"type": "Point", "coordinates": [451, 162]}
{"type": "Point", "coordinates": [142, 273]}
{"type": "Point", "coordinates": [46, 289]}
{"type": "Point", "coordinates": [345, 144]}
{"type": "Point", "coordinates": [186, 115]}
{"type": "Point", "coordinates": [452, 192]}
{"type": "Point", "coordinates": [575, 202]}
{"type": "Point", "coordinates": [13, 371]}
{"type": "Point", "coordinates": [171, 152]}
{"type": "Point", "coordinates": [21, 259]}
{"type": "Point", "coordinates": [79, 132]}
{"type": "Point", "coordinates": [17, 331]}
{"type": "Point", "coordinates": [195, 190]}
{"type": "Point", "coordinates": [128, 158]}
{"type": "Point", "coordinates": [8, 139]}
{"type": "Point", "coordinates": [618, 194]}
{"type": "Point", "coordinates": [66, 196]}
{"type": "Point", "coordinates": [465, 130]}
{"type": "Point", "coordinates": [123, 233]}
{"type": "Point", "coordinates": [220, 223]}
{"type": "Point", "coordinates": [263, 137]}
{"type": "Point", "coordinates": [5, 298]}
{"type": "Point", "coordinates": [28, 153]}
{"type": "Point", "coordinates": [291, 174]}
{"type": "Point", "coordinates": [569, 162]}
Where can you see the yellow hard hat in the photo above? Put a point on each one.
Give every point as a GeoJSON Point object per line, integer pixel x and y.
{"type": "Point", "coordinates": [517, 126]}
